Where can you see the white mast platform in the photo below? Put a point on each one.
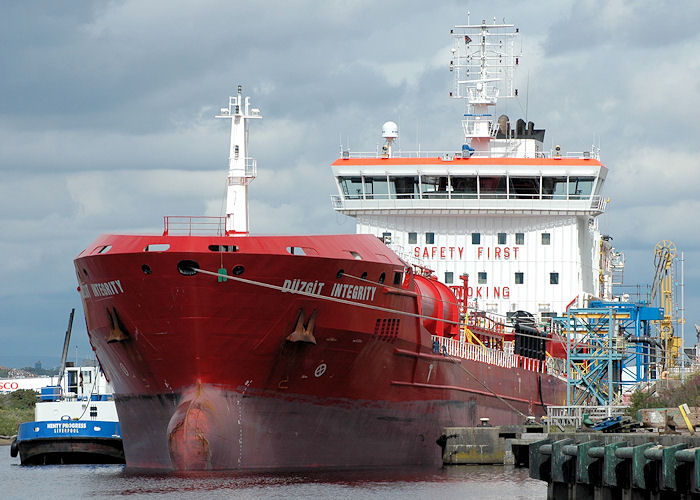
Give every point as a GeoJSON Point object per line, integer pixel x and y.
{"type": "Point", "coordinates": [242, 169]}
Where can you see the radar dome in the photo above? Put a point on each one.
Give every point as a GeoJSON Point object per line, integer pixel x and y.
{"type": "Point", "coordinates": [390, 130]}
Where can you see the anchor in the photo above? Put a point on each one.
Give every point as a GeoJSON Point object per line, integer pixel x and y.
{"type": "Point", "coordinates": [303, 333]}
{"type": "Point", "coordinates": [117, 332]}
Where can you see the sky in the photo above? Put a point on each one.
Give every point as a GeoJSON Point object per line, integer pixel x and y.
{"type": "Point", "coordinates": [106, 121]}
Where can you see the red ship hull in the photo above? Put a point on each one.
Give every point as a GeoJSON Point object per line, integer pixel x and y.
{"type": "Point", "coordinates": [292, 361]}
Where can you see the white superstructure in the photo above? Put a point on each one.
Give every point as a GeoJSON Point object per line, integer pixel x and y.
{"type": "Point", "coordinates": [85, 395]}
{"type": "Point", "coordinates": [519, 220]}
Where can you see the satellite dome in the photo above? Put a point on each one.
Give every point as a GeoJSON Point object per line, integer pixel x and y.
{"type": "Point", "coordinates": [390, 130]}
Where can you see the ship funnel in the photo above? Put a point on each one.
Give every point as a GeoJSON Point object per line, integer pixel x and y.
{"type": "Point", "coordinates": [503, 126]}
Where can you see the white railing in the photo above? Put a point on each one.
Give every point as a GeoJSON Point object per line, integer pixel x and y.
{"type": "Point", "coordinates": [572, 416]}
{"type": "Point", "coordinates": [475, 352]}
{"type": "Point", "coordinates": [251, 167]}
{"type": "Point", "coordinates": [582, 155]}
{"type": "Point", "coordinates": [588, 205]}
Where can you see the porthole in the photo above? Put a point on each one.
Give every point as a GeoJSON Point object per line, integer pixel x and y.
{"type": "Point", "coordinates": [340, 273]}
{"type": "Point", "coordinates": [187, 267]}
{"type": "Point", "coordinates": [238, 270]}
{"type": "Point", "coordinates": [146, 269]}
{"type": "Point", "coordinates": [382, 277]}
{"type": "Point", "coordinates": [364, 275]}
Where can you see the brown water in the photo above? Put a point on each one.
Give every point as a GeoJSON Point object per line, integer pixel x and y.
{"type": "Point", "coordinates": [100, 481]}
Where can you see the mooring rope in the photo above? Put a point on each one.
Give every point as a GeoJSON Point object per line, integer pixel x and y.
{"type": "Point", "coordinates": [324, 297]}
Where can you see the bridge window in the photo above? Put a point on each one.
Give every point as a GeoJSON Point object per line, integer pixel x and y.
{"type": "Point", "coordinates": [501, 238]}
{"type": "Point", "coordinates": [412, 238]}
{"type": "Point", "coordinates": [554, 188]}
{"type": "Point", "coordinates": [463, 187]}
{"type": "Point", "coordinates": [553, 278]}
{"type": "Point", "coordinates": [404, 187]}
{"type": "Point", "coordinates": [524, 187]}
{"type": "Point", "coordinates": [449, 277]}
{"type": "Point", "coordinates": [580, 187]}
{"type": "Point", "coordinates": [519, 278]}
{"type": "Point", "coordinates": [376, 188]}
{"type": "Point", "coordinates": [429, 238]}
{"type": "Point", "coordinates": [482, 277]}
{"type": "Point", "coordinates": [351, 187]}
{"type": "Point", "coordinates": [476, 238]}
{"type": "Point", "coordinates": [546, 238]}
{"type": "Point", "coordinates": [519, 238]}
{"type": "Point", "coordinates": [492, 186]}
{"type": "Point", "coordinates": [434, 186]}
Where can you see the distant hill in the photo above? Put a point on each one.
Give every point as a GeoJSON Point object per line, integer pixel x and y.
{"type": "Point", "coordinates": [27, 372]}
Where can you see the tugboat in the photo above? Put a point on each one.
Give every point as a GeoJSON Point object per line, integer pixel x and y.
{"type": "Point", "coordinates": [75, 421]}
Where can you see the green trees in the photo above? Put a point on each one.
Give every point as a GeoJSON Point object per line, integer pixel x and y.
{"type": "Point", "coordinates": [15, 408]}
{"type": "Point", "coordinates": [688, 393]}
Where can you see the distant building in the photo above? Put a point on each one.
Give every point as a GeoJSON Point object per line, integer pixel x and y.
{"type": "Point", "coordinates": [34, 383]}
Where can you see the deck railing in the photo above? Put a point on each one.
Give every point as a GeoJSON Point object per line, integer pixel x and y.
{"type": "Point", "coordinates": [576, 203]}
{"type": "Point", "coordinates": [572, 416]}
{"type": "Point", "coordinates": [378, 153]}
{"type": "Point", "coordinates": [474, 352]}
{"type": "Point", "coordinates": [188, 225]}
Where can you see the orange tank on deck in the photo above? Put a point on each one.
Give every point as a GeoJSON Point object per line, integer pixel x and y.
{"type": "Point", "coordinates": [437, 302]}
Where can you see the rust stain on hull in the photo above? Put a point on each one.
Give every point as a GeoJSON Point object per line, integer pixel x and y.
{"type": "Point", "coordinates": [188, 429]}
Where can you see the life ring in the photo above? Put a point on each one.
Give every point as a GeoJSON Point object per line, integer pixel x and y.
{"type": "Point", "coordinates": [664, 375]}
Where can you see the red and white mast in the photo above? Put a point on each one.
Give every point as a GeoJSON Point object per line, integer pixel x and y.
{"type": "Point", "coordinates": [242, 169]}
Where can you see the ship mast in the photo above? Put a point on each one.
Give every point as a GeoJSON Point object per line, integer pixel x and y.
{"type": "Point", "coordinates": [242, 169]}
{"type": "Point", "coordinates": [483, 63]}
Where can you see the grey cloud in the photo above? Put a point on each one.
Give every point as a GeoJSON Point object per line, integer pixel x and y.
{"type": "Point", "coordinates": [627, 24]}
{"type": "Point", "coordinates": [106, 119]}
